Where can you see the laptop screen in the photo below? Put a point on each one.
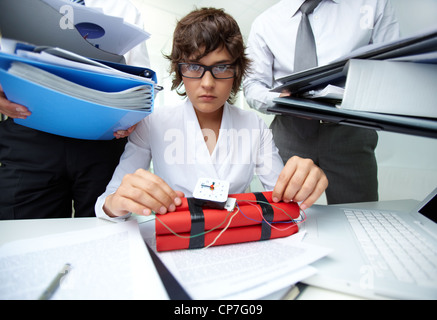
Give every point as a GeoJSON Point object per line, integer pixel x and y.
{"type": "Point", "coordinates": [429, 210]}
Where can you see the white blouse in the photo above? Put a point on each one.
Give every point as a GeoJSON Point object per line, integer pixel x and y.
{"type": "Point", "coordinates": [173, 140]}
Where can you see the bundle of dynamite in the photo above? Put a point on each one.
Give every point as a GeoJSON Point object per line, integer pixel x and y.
{"type": "Point", "coordinates": [255, 217]}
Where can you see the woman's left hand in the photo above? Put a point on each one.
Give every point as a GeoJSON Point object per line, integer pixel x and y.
{"type": "Point", "coordinates": [300, 181]}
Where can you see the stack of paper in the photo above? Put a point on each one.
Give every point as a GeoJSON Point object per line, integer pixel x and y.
{"type": "Point", "coordinates": [252, 270]}
{"type": "Point", "coordinates": [391, 87]}
{"type": "Point", "coordinates": [65, 58]}
{"type": "Point", "coordinates": [107, 262]}
{"type": "Point", "coordinates": [330, 92]}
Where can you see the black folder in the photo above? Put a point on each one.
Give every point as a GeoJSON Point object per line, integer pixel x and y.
{"type": "Point", "coordinates": [335, 72]}
{"type": "Point", "coordinates": [174, 290]}
{"type": "Point", "coordinates": [308, 108]}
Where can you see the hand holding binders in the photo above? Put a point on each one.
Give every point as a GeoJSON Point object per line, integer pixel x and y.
{"type": "Point", "coordinates": [335, 72]}
{"type": "Point", "coordinates": [58, 112]}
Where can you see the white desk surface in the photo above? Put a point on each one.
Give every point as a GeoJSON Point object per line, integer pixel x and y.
{"type": "Point", "coordinates": [11, 230]}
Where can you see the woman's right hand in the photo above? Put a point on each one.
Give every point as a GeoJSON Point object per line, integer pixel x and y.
{"type": "Point", "coordinates": [141, 193]}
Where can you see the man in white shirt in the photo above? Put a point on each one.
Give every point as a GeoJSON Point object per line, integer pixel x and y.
{"type": "Point", "coordinates": [346, 154]}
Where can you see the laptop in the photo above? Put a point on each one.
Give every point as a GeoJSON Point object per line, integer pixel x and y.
{"type": "Point", "coordinates": [376, 253]}
{"type": "Point", "coordinates": [322, 110]}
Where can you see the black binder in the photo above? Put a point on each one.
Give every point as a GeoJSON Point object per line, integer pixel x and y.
{"type": "Point", "coordinates": [325, 111]}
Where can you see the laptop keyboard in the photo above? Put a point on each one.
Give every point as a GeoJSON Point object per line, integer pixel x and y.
{"type": "Point", "coordinates": [394, 248]}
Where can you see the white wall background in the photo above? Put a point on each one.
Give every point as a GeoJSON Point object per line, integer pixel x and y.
{"type": "Point", "coordinates": [407, 164]}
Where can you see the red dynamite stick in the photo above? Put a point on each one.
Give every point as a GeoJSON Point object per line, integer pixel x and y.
{"type": "Point", "coordinates": [170, 242]}
{"type": "Point", "coordinates": [243, 228]}
{"type": "Point", "coordinates": [180, 220]}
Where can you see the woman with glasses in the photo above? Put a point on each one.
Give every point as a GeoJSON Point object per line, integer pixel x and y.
{"type": "Point", "coordinates": [205, 136]}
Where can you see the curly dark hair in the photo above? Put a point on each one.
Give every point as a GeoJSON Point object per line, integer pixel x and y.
{"type": "Point", "coordinates": [201, 32]}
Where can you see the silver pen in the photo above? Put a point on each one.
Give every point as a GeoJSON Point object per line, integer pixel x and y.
{"type": "Point", "coordinates": [55, 284]}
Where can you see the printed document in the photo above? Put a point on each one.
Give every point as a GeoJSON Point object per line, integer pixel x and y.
{"type": "Point", "coordinates": [240, 271]}
{"type": "Point", "coordinates": [109, 262]}
{"type": "Point", "coordinates": [117, 36]}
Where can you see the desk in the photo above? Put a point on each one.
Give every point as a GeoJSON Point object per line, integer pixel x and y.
{"type": "Point", "coordinates": [11, 230]}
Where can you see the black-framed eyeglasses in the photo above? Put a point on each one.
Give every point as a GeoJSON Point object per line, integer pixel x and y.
{"type": "Point", "coordinates": [197, 71]}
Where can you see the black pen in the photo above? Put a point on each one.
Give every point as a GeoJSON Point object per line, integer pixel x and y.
{"type": "Point", "coordinates": [56, 282]}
